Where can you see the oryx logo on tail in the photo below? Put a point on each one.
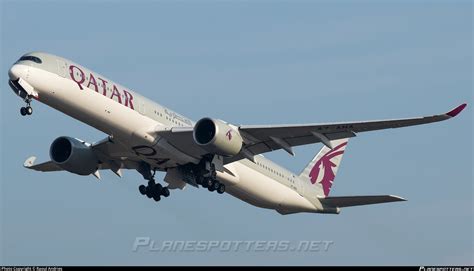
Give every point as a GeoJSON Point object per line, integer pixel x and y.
{"type": "Point", "coordinates": [229, 134]}
{"type": "Point", "coordinates": [323, 172]}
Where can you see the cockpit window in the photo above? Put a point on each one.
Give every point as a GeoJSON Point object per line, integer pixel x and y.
{"type": "Point", "coordinates": [30, 58]}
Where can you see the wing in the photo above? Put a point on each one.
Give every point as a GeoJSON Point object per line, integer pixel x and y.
{"type": "Point", "coordinates": [112, 155]}
{"type": "Point", "coordinates": [265, 138]}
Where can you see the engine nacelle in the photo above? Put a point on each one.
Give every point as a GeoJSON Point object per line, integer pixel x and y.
{"type": "Point", "coordinates": [217, 137]}
{"type": "Point", "coordinates": [73, 155]}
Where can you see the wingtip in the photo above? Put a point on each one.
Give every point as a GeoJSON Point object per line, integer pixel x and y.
{"type": "Point", "coordinates": [29, 162]}
{"type": "Point", "coordinates": [453, 113]}
{"type": "Point", "coordinates": [397, 198]}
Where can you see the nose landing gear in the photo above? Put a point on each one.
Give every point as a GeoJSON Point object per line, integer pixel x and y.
{"type": "Point", "coordinates": [28, 110]}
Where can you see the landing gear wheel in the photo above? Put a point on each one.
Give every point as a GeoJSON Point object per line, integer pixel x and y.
{"type": "Point", "coordinates": [221, 189]}
{"type": "Point", "coordinates": [149, 193]}
{"type": "Point", "coordinates": [23, 111]}
{"type": "Point", "coordinates": [199, 180]}
{"type": "Point", "coordinates": [204, 184]}
{"type": "Point", "coordinates": [157, 188]}
{"type": "Point", "coordinates": [209, 182]}
{"type": "Point", "coordinates": [29, 110]}
{"type": "Point", "coordinates": [142, 189]}
{"type": "Point", "coordinates": [152, 189]}
{"type": "Point", "coordinates": [216, 185]}
{"type": "Point", "coordinates": [165, 192]}
{"type": "Point", "coordinates": [211, 188]}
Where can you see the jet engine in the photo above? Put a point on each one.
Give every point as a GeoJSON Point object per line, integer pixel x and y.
{"type": "Point", "coordinates": [73, 155]}
{"type": "Point", "coordinates": [217, 137]}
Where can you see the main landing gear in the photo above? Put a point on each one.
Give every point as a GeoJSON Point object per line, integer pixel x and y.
{"type": "Point", "coordinates": [152, 189]}
{"type": "Point", "coordinates": [28, 110]}
{"type": "Point", "coordinates": [209, 180]}
{"type": "Point", "coordinates": [211, 184]}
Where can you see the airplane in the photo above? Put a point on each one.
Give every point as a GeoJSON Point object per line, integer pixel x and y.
{"type": "Point", "coordinates": [210, 153]}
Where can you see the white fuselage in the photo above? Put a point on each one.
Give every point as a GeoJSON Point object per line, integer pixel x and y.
{"type": "Point", "coordinates": [129, 117]}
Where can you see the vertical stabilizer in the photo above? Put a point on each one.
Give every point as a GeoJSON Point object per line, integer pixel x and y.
{"type": "Point", "coordinates": [322, 170]}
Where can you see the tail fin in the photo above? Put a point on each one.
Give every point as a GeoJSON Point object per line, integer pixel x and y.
{"type": "Point", "coordinates": [322, 169]}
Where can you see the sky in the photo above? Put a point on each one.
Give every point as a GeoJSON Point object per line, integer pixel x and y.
{"type": "Point", "coordinates": [250, 62]}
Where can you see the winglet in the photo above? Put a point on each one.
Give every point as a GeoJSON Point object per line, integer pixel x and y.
{"type": "Point", "coordinates": [453, 113]}
{"type": "Point", "coordinates": [29, 162]}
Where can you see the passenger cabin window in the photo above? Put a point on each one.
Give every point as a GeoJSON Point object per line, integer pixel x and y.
{"type": "Point", "coordinates": [31, 58]}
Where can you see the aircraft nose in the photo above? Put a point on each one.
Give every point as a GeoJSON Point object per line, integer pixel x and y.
{"type": "Point", "coordinates": [17, 71]}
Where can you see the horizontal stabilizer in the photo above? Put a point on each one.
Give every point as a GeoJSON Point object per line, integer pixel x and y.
{"type": "Point", "coordinates": [358, 200]}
